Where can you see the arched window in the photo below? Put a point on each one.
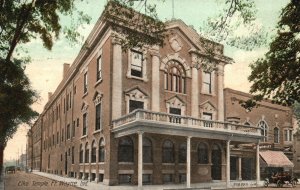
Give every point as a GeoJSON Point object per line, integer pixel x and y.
{"type": "Point", "coordinates": [81, 154]}
{"type": "Point", "coordinates": [94, 152]}
{"type": "Point", "coordinates": [101, 150]}
{"type": "Point", "coordinates": [87, 153]}
{"type": "Point", "coordinates": [276, 135]}
{"type": "Point", "coordinates": [264, 129]}
{"type": "Point", "coordinates": [125, 151]}
{"type": "Point", "coordinates": [182, 153]}
{"type": "Point", "coordinates": [168, 152]}
{"type": "Point", "coordinates": [147, 150]}
{"type": "Point", "coordinates": [175, 77]}
{"type": "Point", "coordinates": [202, 153]}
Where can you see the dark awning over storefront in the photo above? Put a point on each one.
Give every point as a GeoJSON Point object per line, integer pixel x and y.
{"type": "Point", "coordinates": [276, 159]}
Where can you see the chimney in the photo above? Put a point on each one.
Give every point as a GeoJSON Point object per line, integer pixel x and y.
{"type": "Point", "coordinates": [66, 68]}
{"type": "Point", "coordinates": [49, 95]}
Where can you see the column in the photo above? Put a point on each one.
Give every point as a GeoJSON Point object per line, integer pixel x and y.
{"type": "Point", "coordinates": [188, 162]}
{"type": "Point", "coordinates": [117, 80]}
{"type": "Point", "coordinates": [228, 164]}
{"type": "Point", "coordinates": [140, 160]}
{"type": "Point", "coordinates": [240, 168]}
{"type": "Point", "coordinates": [155, 81]}
{"type": "Point", "coordinates": [195, 88]}
{"type": "Point", "coordinates": [257, 165]}
{"type": "Point", "coordinates": [220, 91]}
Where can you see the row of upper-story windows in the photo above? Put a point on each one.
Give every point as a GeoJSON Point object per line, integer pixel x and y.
{"type": "Point", "coordinates": [174, 77]}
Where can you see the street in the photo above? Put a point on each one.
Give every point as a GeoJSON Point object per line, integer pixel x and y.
{"type": "Point", "coordinates": [29, 181]}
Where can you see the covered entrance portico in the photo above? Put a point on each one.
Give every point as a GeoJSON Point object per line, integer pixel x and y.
{"type": "Point", "coordinates": [143, 122]}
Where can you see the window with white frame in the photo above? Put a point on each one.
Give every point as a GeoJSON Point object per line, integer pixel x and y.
{"type": "Point", "coordinates": [288, 135]}
{"type": "Point", "coordinates": [208, 119]}
{"type": "Point", "coordinates": [94, 152]}
{"type": "Point", "coordinates": [136, 63]}
{"type": "Point", "coordinates": [85, 83]}
{"type": "Point", "coordinates": [84, 124]}
{"type": "Point", "coordinates": [207, 82]}
{"type": "Point", "coordinates": [133, 105]}
{"type": "Point", "coordinates": [276, 135]}
{"type": "Point", "coordinates": [98, 117]}
{"type": "Point", "coordinates": [174, 78]}
{"type": "Point", "coordinates": [101, 151]}
{"type": "Point", "coordinates": [136, 99]}
{"type": "Point", "coordinates": [99, 68]}
{"type": "Point", "coordinates": [264, 129]}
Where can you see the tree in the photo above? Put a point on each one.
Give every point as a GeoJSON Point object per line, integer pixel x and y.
{"type": "Point", "coordinates": [20, 22]}
{"type": "Point", "coordinates": [277, 74]}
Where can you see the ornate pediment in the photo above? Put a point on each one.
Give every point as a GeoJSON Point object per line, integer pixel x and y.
{"type": "Point", "coordinates": [208, 107]}
{"type": "Point", "coordinates": [84, 107]}
{"type": "Point", "coordinates": [97, 97]}
{"type": "Point", "coordinates": [175, 102]}
{"type": "Point", "coordinates": [136, 93]}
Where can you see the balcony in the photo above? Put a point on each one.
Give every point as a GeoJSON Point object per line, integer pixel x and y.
{"type": "Point", "coordinates": [169, 124]}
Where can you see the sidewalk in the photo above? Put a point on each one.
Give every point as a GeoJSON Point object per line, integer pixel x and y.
{"type": "Point", "coordinates": [83, 184]}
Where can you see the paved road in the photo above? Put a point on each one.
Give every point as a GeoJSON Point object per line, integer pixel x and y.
{"type": "Point", "coordinates": [27, 181]}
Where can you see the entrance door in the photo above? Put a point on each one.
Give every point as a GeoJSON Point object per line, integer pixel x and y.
{"type": "Point", "coordinates": [216, 159]}
{"type": "Point", "coordinates": [233, 168]}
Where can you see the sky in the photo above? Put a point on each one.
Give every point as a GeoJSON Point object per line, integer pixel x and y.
{"type": "Point", "coordinates": [46, 68]}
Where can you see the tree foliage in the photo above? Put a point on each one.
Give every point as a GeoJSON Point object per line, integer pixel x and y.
{"type": "Point", "coordinates": [136, 29]}
{"type": "Point", "coordinates": [20, 22]}
{"type": "Point", "coordinates": [277, 74]}
{"type": "Point", "coordinates": [16, 97]}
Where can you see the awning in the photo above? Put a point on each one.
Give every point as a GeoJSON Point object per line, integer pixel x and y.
{"type": "Point", "coordinates": [276, 159]}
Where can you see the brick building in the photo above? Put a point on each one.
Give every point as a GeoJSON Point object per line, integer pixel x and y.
{"type": "Point", "coordinates": [34, 146]}
{"type": "Point", "coordinates": [149, 115]}
{"type": "Point", "coordinates": [275, 122]}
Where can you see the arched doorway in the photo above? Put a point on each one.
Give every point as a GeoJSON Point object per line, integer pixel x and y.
{"type": "Point", "coordinates": [216, 159]}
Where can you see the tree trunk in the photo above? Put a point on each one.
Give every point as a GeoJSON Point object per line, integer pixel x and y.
{"type": "Point", "coordinates": [1, 160]}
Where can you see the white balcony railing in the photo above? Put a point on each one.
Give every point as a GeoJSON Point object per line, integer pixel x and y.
{"type": "Point", "coordinates": [185, 121]}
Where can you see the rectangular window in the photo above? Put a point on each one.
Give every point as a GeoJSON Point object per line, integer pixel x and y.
{"type": "Point", "coordinates": [67, 101]}
{"type": "Point", "coordinates": [73, 129]}
{"type": "Point", "coordinates": [85, 83]}
{"type": "Point", "coordinates": [62, 135]}
{"type": "Point", "coordinates": [98, 117]}
{"type": "Point", "coordinates": [167, 178]}
{"type": "Point", "coordinates": [207, 117]}
{"type": "Point", "coordinates": [84, 124]}
{"type": "Point", "coordinates": [77, 122]}
{"type": "Point", "coordinates": [125, 178]}
{"type": "Point", "coordinates": [99, 68]}
{"type": "Point", "coordinates": [133, 105]}
{"type": "Point", "coordinates": [207, 82]}
{"type": "Point", "coordinates": [175, 111]}
{"type": "Point", "coordinates": [288, 135]}
{"type": "Point", "coordinates": [147, 179]}
{"type": "Point", "coordinates": [70, 100]}
{"type": "Point", "coordinates": [136, 63]}
{"type": "Point", "coordinates": [101, 177]}
{"type": "Point", "coordinates": [182, 178]}
{"type": "Point", "coordinates": [72, 155]}
{"type": "Point", "coordinates": [64, 105]}
{"type": "Point", "coordinates": [68, 131]}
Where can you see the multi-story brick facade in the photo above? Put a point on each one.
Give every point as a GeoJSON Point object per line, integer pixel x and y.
{"type": "Point", "coordinates": [275, 122]}
{"type": "Point", "coordinates": [34, 146]}
{"type": "Point", "coordinates": [151, 115]}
